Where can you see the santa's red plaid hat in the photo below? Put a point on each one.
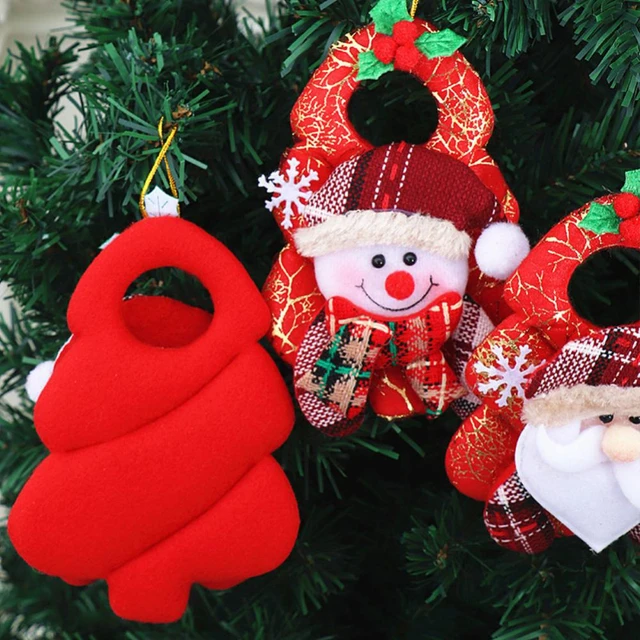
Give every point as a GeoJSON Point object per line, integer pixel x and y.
{"type": "Point", "coordinates": [408, 195]}
{"type": "Point", "coordinates": [596, 375]}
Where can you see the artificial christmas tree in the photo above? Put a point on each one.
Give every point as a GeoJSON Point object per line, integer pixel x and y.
{"type": "Point", "coordinates": [387, 549]}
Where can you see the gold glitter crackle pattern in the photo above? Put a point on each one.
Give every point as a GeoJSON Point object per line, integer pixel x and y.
{"type": "Point", "coordinates": [294, 300]}
{"type": "Point", "coordinates": [478, 452]}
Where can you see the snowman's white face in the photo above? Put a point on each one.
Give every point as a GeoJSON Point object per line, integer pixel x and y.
{"type": "Point", "coordinates": [389, 280]}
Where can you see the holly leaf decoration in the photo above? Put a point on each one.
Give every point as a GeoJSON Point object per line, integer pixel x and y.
{"type": "Point", "coordinates": [601, 218]}
{"type": "Point", "coordinates": [632, 182]}
{"type": "Point", "coordinates": [370, 68]}
{"type": "Point", "coordinates": [386, 13]}
{"type": "Point", "coordinates": [439, 44]}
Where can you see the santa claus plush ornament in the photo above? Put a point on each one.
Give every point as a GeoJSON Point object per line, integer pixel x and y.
{"type": "Point", "coordinates": [390, 234]}
{"type": "Point", "coordinates": [577, 461]}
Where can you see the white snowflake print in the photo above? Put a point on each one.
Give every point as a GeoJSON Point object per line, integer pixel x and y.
{"type": "Point", "coordinates": [509, 379]}
{"type": "Point", "coordinates": [287, 190]}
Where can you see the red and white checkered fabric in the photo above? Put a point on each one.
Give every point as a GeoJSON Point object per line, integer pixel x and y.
{"type": "Point", "coordinates": [609, 357]}
{"type": "Point", "coordinates": [344, 346]}
{"type": "Point", "coordinates": [515, 520]}
{"type": "Point", "coordinates": [407, 178]}
{"type": "Point", "coordinates": [474, 326]}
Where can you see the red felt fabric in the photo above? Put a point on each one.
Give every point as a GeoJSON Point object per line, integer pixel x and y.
{"type": "Point", "coordinates": [405, 31]}
{"type": "Point", "coordinates": [163, 331]}
{"type": "Point", "coordinates": [385, 48]}
{"type": "Point", "coordinates": [626, 205]}
{"type": "Point", "coordinates": [160, 474]}
{"type": "Point", "coordinates": [630, 230]}
{"type": "Point", "coordinates": [407, 58]}
{"type": "Point", "coordinates": [95, 315]}
{"type": "Point", "coordinates": [248, 532]}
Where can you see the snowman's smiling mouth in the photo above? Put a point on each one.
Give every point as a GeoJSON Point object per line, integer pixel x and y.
{"type": "Point", "coordinates": [411, 306]}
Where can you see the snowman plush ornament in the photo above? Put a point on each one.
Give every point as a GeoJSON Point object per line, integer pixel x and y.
{"type": "Point", "coordinates": [390, 233]}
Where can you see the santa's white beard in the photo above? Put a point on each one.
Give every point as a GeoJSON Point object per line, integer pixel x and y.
{"type": "Point", "coordinates": [567, 449]}
{"type": "Point", "coordinates": [628, 477]}
{"type": "Point", "coordinates": [565, 470]}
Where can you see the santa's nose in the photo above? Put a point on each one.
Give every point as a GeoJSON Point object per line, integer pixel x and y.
{"type": "Point", "coordinates": [400, 285]}
{"type": "Point", "coordinates": [621, 443]}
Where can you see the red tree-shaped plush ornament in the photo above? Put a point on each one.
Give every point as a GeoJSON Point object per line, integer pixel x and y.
{"type": "Point", "coordinates": [160, 474]}
{"type": "Point", "coordinates": [383, 243]}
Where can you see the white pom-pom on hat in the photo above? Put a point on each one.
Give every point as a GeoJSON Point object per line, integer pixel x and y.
{"type": "Point", "coordinates": [38, 378]}
{"type": "Point", "coordinates": [501, 247]}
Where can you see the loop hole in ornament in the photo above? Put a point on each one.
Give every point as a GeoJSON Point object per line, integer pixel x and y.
{"type": "Point", "coordinates": [605, 288]}
{"type": "Point", "coordinates": [167, 307]}
{"type": "Point", "coordinates": [395, 108]}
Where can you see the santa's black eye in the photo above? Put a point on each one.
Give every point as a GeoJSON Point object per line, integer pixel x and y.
{"type": "Point", "coordinates": [634, 419]}
{"type": "Point", "coordinates": [606, 419]}
{"type": "Point", "coordinates": [378, 261]}
{"type": "Point", "coordinates": [409, 258]}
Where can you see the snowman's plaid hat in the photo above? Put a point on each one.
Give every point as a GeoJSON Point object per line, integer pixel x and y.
{"type": "Point", "coordinates": [596, 375]}
{"type": "Point", "coordinates": [398, 194]}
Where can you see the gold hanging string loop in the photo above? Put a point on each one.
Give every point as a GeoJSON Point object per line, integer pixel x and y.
{"type": "Point", "coordinates": [414, 8]}
{"type": "Point", "coordinates": [162, 156]}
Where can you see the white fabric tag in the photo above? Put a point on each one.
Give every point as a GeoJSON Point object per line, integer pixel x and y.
{"type": "Point", "coordinates": [590, 502]}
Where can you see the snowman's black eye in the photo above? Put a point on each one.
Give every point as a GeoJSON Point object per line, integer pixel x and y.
{"type": "Point", "coordinates": [378, 261]}
{"type": "Point", "coordinates": [409, 258]}
{"type": "Point", "coordinates": [606, 419]}
{"type": "Point", "coordinates": [634, 419]}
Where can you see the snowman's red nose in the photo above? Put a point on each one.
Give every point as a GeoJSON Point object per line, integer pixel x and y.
{"type": "Point", "coordinates": [400, 285]}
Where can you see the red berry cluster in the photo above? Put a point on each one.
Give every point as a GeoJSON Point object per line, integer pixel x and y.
{"type": "Point", "coordinates": [400, 47]}
{"type": "Point", "coordinates": [627, 207]}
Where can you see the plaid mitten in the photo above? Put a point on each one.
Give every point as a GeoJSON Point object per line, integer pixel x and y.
{"type": "Point", "coordinates": [334, 366]}
{"type": "Point", "coordinates": [515, 520]}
